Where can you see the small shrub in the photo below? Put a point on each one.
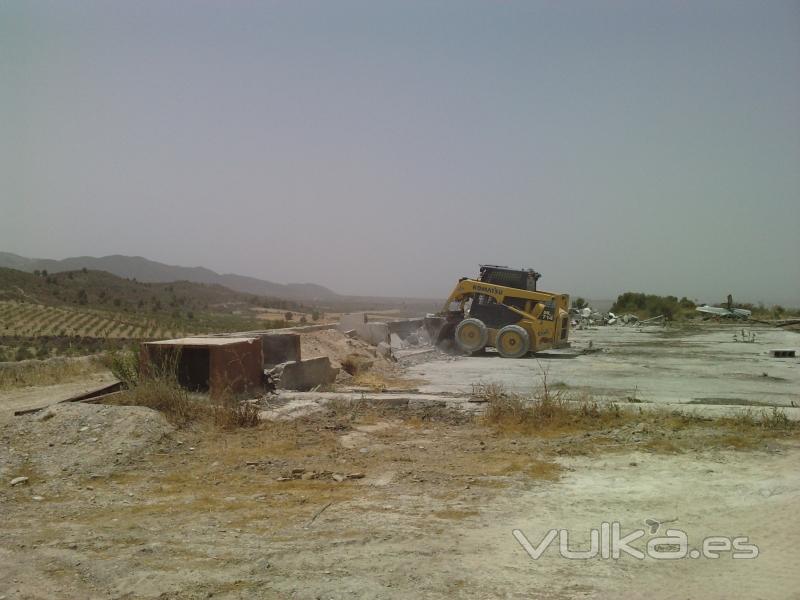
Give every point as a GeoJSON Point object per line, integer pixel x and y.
{"type": "Point", "coordinates": [166, 396]}
{"type": "Point", "coordinates": [124, 365]}
{"type": "Point", "coordinates": [487, 392]}
{"type": "Point", "coordinates": [230, 413]}
{"type": "Point", "coordinates": [547, 411]}
{"type": "Point", "coordinates": [772, 420]}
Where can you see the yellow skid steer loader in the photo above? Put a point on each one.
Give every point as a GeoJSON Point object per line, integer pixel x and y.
{"type": "Point", "coordinates": [502, 309]}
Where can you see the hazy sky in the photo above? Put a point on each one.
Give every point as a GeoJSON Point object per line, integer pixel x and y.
{"type": "Point", "coordinates": [387, 148]}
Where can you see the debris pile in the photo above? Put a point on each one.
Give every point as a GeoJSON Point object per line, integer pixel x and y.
{"type": "Point", "coordinates": [415, 339]}
{"type": "Point", "coordinates": [586, 317]}
{"type": "Point", "coordinates": [339, 348]}
{"type": "Point", "coordinates": [77, 439]}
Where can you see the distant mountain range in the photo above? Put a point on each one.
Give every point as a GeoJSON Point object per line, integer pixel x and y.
{"type": "Point", "coordinates": [144, 270]}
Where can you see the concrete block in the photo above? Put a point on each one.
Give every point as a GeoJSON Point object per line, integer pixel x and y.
{"type": "Point", "coordinates": [782, 353]}
{"type": "Point", "coordinates": [304, 374]}
{"type": "Point", "coordinates": [353, 321]}
{"type": "Point", "coordinates": [217, 365]}
{"type": "Point", "coordinates": [377, 333]}
{"type": "Point", "coordinates": [280, 348]}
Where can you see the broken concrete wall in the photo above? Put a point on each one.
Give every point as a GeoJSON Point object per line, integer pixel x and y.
{"type": "Point", "coordinates": [405, 327]}
{"type": "Point", "coordinates": [377, 333]}
{"type": "Point", "coordinates": [353, 322]}
{"type": "Point", "coordinates": [373, 333]}
{"type": "Point", "coordinates": [280, 348]}
{"type": "Point", "coordinates": [304, 374]}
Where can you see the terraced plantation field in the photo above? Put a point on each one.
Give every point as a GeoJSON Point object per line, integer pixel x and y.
{"type": "Point", "coordinates": [85, 312]}
{"type": "Point", "coordinates": [35, 320]}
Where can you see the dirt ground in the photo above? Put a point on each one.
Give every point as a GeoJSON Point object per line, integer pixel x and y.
{"type": "Point", "coordinates": [30, 397]}
{"type": "Point", "coordinates": [351, 500]}
{"type": "Point", "coordinates": [360, 503]}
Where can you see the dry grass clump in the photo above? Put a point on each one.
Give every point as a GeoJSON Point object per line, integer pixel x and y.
{"type": "Point", "coordinates": [49, 372]}
{"type": "Point", "coordinates": [166, 396]}
{"type": "Point", "coordinates": [355, 364]}
{"type": "Point", "coordinates": [183, 409]}
{"type": "Point", "coordinates": [343, 410]}
{"type": "Point", "coordinates": [546, 411]}
{"type": "Point", "coordinates": [230, 413]}
{"type": "Point", "coordinates": [381, 382]}
{"type": "Point", "coordinates": [774, 420]}
{"type": "Point", "coordinates": [764, 420]}
{"type": "Point", "coordinates": [487, 392]}
{"type": "Point", "coordinates": [157, 387]}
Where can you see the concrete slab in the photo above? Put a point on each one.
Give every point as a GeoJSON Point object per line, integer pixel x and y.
{"type": "Point", "coordinates": [304, 374]}
{"type": "Point", "coordinates": [697, 364]}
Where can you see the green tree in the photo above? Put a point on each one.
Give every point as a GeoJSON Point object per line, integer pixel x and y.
{"type": "Point", "coordinates": [82, 297]}
{"type": "Point", "coordinates": [579, 302]}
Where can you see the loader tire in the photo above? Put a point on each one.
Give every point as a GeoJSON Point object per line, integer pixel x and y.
{"type": "Point", "coordinates": [471, 335]}
{"type": "Point", "coordinates": [512, 342]}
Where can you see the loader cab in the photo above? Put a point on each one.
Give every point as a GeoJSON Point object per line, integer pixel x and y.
{"type": "Point", "coordinates": [495, 315]}
{"type": "Point", "coordinates": [520, 279]}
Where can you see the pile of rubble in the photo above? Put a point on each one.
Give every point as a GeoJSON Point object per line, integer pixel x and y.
{"type": "Point", "coordinates": [297, 359]}
{"type": "Point", "coordinates": [583, 318]}
{"type": "Point", "coordinates": [388, 337]}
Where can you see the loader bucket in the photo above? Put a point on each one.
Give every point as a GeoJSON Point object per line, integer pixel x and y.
{"type": "Point", "coordinates": [442, 328]}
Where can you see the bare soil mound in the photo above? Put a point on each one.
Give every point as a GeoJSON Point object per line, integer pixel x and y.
{"type": "Point", "coordinates": [337, 346]}
{"type": "Point", "coordinates": [77, 439]}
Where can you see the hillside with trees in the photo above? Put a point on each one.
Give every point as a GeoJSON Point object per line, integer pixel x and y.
{"type": "Point", "coordinates": [42, 314]}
